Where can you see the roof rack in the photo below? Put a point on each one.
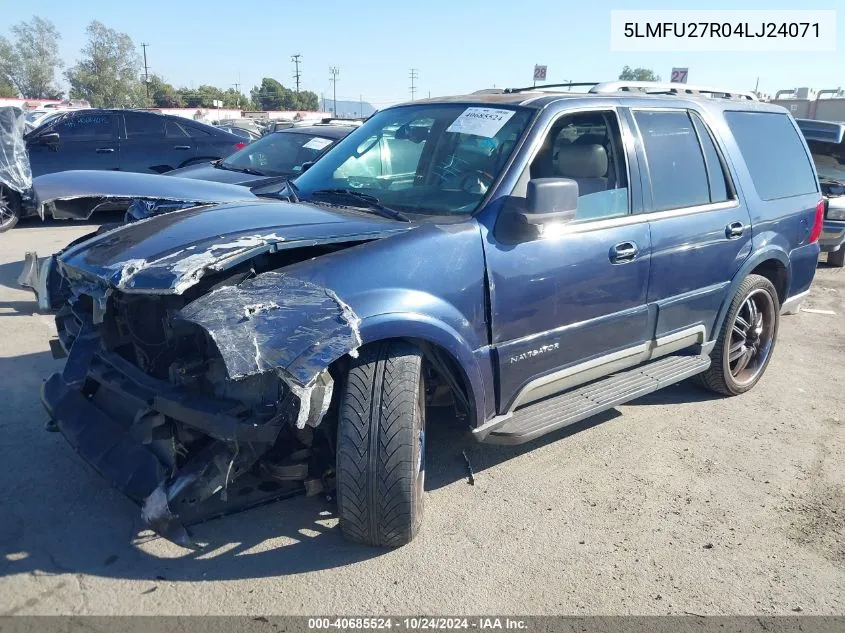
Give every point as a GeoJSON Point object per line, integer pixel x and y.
{"type": "Point", "coordinates": [656, 87]}
{"type": "Point", "coordinates": [644, 87]}
{"type": "Point", "coordinates": [545, 87]}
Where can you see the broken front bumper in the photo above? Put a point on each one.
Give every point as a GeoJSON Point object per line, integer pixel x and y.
{"type": "Point", "coordinates": [112, 414]}
{"type": "Point", "coordinates": [35, 276]}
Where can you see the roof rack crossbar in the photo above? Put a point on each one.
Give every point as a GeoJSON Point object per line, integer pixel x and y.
{"type": "Point", "coordinates": [656, 87]}
{"type": "Point", "coordinates": [547, 86]}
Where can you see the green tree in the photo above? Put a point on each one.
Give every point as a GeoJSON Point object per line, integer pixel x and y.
{"type": "Point", "coordinates": [7, 89]}
{"type": "Point", "coordinates": [29, 62]}
{"type": "Point", "coordinates": [271, 95]}
{"type": "Point", "coordinates": [305, 100]}
{"type": "Point", "coordinates": [163, 94]}
{"type": "Point", "coordinates": [108, 74]}
{"type": "Point", "coordinates": [638, 74]}
{"type": "Point", "coordinates": [234, 99]}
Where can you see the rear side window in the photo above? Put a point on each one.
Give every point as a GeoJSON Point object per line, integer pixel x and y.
{"type": "Point", "coordinates": [773, 151]}
{"type": "Point", "coordinates": [675, 160]}
{"type": "Point", "coordinates": [174, 130]}
{"type": "Point", "coordinates": [716, 177]}
{"type": "Point", "coordinates": [197, 132]}
{"type": "Point", "coordinates": [144, 125]}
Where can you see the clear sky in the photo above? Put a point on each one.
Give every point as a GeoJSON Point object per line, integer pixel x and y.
{"type": "Point", "coordinates": [456, 45]}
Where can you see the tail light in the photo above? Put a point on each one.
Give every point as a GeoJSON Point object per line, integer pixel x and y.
{"type": "Point", "coordinates": [240, 145]}
{"type": "Point", "coordinates": [818, 222]}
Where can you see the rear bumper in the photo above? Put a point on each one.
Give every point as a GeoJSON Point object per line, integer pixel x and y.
{"type": "Point", "coordinates": [833, 236]}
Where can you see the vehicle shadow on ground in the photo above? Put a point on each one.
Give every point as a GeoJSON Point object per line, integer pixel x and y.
{"type": "Point", "coordinates": [9, 273]}
{"type": "Point", "coordinates": [679, 393]}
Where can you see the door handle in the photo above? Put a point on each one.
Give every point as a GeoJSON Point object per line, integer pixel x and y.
{"type": "Point", "coordinates": [623, 252]}
{"type": "Point", "coordinates": [105, 150]}
{"type": "Point", "coordinates": [181, 147]}
{"type": "Point", "coordinates": [734, 230]}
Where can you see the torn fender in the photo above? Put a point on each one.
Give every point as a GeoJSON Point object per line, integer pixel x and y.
{"type": "Point", "coordinates": [276, 321]}
{"type": "Point", "coordinates": [76, 194]}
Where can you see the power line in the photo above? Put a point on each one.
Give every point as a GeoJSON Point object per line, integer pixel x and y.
{"type": "Point", "coordinates": [296, 73]}
{"type": "Point", "coordinates": [334, 71]}
{"type": "Point", "coordinates": [146, 69]}
{"type": "Point", "coordinates": [414, 76]}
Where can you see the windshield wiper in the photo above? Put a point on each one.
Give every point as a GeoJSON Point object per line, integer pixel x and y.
{"type": "Point", "coordinates": [370, 202]}
{"type": "Point", "coordinates": [244, 170]}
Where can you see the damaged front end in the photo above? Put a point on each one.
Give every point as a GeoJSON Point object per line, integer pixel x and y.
{"type": "Point", "coordinates": [197, 407]}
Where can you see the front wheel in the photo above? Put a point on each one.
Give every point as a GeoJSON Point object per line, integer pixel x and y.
{"type": "Point", "coordinates": [10, 208]}
{"type": "Point", "coordinates": [747, 338]}
{"type": "Point", "coordinates": [381, 446]}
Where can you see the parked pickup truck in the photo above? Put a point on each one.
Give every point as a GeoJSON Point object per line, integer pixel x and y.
{"type": "Point", "coordinates": [531, 256]}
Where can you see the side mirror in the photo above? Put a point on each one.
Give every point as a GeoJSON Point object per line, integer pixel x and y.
{"type": "Point", "coordinates": [550, 200]}
{"type": "Point", "coordinates": [306, 166]}
{"type": "Point", "coordinates": [50, 138]}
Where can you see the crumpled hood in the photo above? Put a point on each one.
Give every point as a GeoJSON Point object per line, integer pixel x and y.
{"type": "Point", "coordinates": [168, 253]}
{"type": "Point", "coordinates": [207, 171]}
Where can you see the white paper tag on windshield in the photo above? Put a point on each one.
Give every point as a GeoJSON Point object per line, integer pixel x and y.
{"type": "Point", "coordinates": [484, 122]}
{"type": "Point", "coordinates": [317, 143]}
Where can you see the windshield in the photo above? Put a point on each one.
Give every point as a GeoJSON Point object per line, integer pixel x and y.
{"type": "Point", "coordinates": [829, 159]}
{"type": "Point", "coordinates": [278, 154]}
{"type": "Point", "coordinates": [434, 159]}
{"type": "Point", "coordinates": [34, 115]}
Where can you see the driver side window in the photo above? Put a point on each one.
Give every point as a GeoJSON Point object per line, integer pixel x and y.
{"type": "Point", "coordinates": [586, 147]}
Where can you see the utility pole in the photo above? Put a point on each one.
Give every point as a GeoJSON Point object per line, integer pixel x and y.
{"type": "Point", "coordinates": [296, 73]}
{"type": "Point", "coordinates": [414, 75]}
{"type": "Point", "coordinates": [334, 71]}
{"type": "Point", "coordinates": [146, 69]}
{"type": "Point", "coordinates": [237, 87]}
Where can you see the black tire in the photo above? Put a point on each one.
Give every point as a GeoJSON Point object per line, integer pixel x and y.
{"type": "Point", "coordinates": [10, 208]}
{"type": "Point", "coordinates": [381, 446]}
{"type": "Point", "coordinates": [837, 258]}
{"type": "Point", "coordinates": [719, 377]}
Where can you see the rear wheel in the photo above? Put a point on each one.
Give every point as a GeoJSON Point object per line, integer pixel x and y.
{"type": "Point", "coordinates": [10, 208]}
{"type": "Point", "coordinates": [381, 446]}
{"type": "Point", "coordinates": [837, 258]}
{"type": "Point", "coordinates": [747, 338]}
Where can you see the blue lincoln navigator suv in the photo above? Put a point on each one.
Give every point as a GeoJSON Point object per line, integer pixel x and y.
{"type": "Point", "coordinates": [530, 257]}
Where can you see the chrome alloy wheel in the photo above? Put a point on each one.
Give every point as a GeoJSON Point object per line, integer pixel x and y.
{"type": "Point", "coordinates": [752, 337]}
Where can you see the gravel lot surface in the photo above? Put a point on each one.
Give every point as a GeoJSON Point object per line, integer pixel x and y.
{"type": "Point", "coordinates": [680, 502]}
